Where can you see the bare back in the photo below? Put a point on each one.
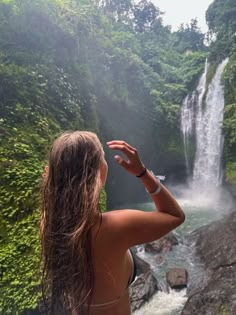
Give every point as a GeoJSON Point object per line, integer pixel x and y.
{"type": "Point", "coordinates": [113, 268]}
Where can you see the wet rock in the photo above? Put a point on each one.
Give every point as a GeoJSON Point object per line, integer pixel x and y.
{"type": "Point", "coordinates": [232, 189]}
{"type": "Point", "coordinates": [177, 278]}
{"type": "Point", "coordinates": [142, 265]}
{"type": "Point", "coordinates": [142, 289]}
{"type": "Point", "coordinates": [215, 245]}
{"type": "Point", "coordinates": [159, 259]}
{"type": "Point", "coordinates": [218, 297]}
{"type": "Point", "coordinates": [163, 245]}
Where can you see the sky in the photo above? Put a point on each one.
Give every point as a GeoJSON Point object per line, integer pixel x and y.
{"type": "Point", "coordinates": [182, 11]}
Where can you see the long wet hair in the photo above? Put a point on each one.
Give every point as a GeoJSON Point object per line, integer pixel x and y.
{"type": "Point", "coordinates": [70, 208]}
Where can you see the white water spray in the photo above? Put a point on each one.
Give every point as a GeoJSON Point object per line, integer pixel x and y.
{"type": "Point", "coordinates": [164, 303]}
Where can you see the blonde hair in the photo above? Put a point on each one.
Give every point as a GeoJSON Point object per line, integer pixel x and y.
{"type": "Point", "coordinates": [70, 208]}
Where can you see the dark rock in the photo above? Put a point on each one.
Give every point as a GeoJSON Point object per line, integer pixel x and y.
{"type": "Point", "coordinates": [231, 189]}
{"type": "Point", "coordinates": [142, 289]}
{"type": "Point", "coordinates": [177, 278]}
{"type": "Point", "coordinates": [218, 297]}
{"type": "Point", "coordinates": [142, 265]}
{"type": "Point", "coordinates": [163, 245]}
{"type": "Point", "coordinates": [215, 245]}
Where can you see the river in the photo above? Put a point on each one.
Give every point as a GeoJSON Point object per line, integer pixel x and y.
{"type": "Point", "coordinates": [200, 209]}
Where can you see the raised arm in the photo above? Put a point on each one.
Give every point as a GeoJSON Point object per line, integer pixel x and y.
{"type": "Point", "coordinates": [136, 227]}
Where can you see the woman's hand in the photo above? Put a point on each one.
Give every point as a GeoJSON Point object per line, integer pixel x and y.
{"type": "Point", "coordinates": [133, 165]}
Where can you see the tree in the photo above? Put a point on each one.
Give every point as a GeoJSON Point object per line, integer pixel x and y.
{"type": "Point", "coordinates": [190, 37]}
{"type": "Point", "coordinates": [145, 15]}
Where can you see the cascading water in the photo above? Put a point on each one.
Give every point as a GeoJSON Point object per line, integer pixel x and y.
{"type": "Point", "coordinates": [188, 114]}
{"type": "Point", "coordinates": [207, 167]}
{"type": "Point", "coordinates": [202, 117]}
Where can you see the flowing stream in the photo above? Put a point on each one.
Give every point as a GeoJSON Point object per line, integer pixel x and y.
{"type": "Point", "coordinates": [182, 256]}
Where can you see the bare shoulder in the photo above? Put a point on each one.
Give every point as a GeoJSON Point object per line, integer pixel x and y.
{"type": "Point", "coordinates": [129, 227]}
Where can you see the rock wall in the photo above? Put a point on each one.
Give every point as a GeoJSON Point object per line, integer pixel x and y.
{"type": "Point", "coordinates": [216, 246]}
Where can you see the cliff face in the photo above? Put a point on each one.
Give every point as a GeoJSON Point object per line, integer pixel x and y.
{"type": "Point", "coordinates": [215, 245]}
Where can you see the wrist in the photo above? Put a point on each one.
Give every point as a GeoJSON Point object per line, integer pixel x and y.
{"type": "Point", "coordinates": [152, 182]}
{"type": "Point", "coordinates": [141, 174]}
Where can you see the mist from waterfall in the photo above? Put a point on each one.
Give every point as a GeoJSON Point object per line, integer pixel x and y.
{"type": "Point", "coordinates": [201, 124]}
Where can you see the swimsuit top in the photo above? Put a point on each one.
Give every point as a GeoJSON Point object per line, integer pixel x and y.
{"type": "Point", "coordinates": [131, 279]}
{"type": "Point", "coordinates": [134, 268]}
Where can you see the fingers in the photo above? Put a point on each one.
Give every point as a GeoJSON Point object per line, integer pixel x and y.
{"type": "Point", "coordinates": [122, 146]}
{"type": "Point", "coordinates": [121, 161]}
{"type": "Point", "coordinates": [133, 165]}
{"type": "Point", "coordinates": [119, 142]}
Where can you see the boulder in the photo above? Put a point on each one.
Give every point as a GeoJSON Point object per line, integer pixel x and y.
{"type": "Point", "coordinates": [142, 289]}
{"type": "Point", "coordinates": [177, 278]}
{"type": "Point", "coordinates": [142, 265]}
{"type": "Point", "coordinates": [163, 245]}
{"type": "Point", "coordinates": [218, 297]}
{"type": "Point", "coordinates": [215, 245]}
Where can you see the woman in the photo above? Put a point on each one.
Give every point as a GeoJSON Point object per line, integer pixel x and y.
{"type": "Point", "coordinates": [86, 257]}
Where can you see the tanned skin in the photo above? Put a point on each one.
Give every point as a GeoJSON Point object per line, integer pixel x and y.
{"type": "Point", "coordinates": [121, 229]}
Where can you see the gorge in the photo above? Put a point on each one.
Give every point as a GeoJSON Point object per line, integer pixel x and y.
{"type": "Point", "coordinates": [113, 67]}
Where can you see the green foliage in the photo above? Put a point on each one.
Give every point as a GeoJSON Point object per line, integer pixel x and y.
{"type": "Point", "coordinates": [210, 73]}
{"type": "Point", "coordinates": [230, 127]}
{"type": "Point", "coordinates": [220, 18]}
{"type": "Point", "coordinates": [103, 201]}
{"type": "Point", "coordinates": [230, 173]}
{"type": "Point", "coordinates": [189, 37]}
{"type": "Point", "coordinates": [146, 14]}
{"type": "Point", "coordinates": [191, 69]}
{"type": "Point", "coordinates": [223, 310]}
{"type": "Point", "coordinates": [37, 102]}
{"type": "Point", "coordinates": [230, 80]}
{"type": "Point", "coordinates": [221, 15]}
{"type": "Point", "coordinates": [21, 170]}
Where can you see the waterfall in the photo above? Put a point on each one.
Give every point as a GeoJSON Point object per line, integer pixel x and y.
{"type": "Point", "coordinates": [188, 113]}
{"type": "Point", "coordinates": [202, 118]}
